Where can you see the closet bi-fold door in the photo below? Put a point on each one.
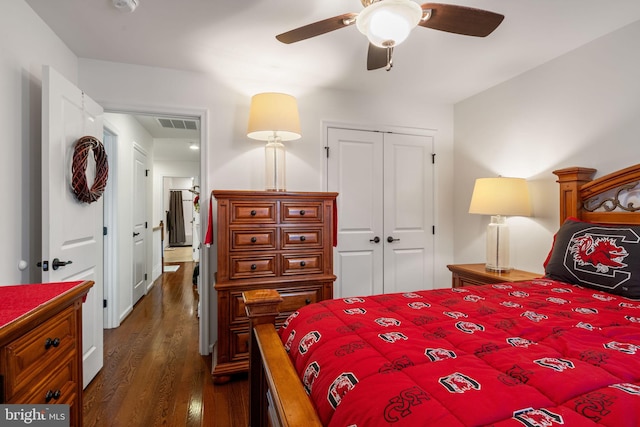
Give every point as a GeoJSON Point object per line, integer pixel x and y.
{"type": "Point", "coordinates": [385, 211]}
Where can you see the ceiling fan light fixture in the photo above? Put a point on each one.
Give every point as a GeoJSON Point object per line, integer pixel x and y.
{"type": "Point", "coordinates": [387, 23]}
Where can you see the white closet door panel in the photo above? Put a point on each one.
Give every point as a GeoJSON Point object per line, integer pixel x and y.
{"type": "Point", "coordinates": [354, 171]}
{"type": "Point", "coordinates": [408, 212]}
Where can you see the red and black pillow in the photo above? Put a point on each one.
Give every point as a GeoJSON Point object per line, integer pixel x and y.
{"type": "Point", "coordinates": [603, 257]}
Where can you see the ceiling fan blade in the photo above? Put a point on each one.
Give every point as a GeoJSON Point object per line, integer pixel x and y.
{"type": "Point", "coordinates": [461, 20]}
{"type": "Point", "coordinates": [376, 57]}
{"type": "Point", "coordinates": [317, 28]}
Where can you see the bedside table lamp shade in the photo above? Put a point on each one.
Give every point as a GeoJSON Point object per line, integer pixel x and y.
{"type": "Point", "coordinates": [273, 117]}
{"type": "Point", "coordinates": [499, 197]}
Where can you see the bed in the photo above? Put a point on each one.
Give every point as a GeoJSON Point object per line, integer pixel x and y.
{"type": "Point", "coordinates": [560, 350]}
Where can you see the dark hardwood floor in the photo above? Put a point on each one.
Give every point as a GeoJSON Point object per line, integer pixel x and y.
{"type": "Point", "coordinates": [153, 373]}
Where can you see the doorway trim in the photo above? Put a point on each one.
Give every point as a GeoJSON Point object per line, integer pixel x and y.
{"type": "Point", "coordinates": [110, 292]}
{"type": "Point", "coordinates": [205, 339]}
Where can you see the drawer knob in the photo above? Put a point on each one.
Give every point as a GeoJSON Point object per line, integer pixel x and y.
{"type": "Point", "coordinates": [307, 301]}
{"type": "Point", "coordinates": [302, 263]}
{"type": "Point", "coordinates": [303, 238]}
{"type": "Point", "coordinates": [253, 239]}
{"type": "Point", "coordinates": [51, 343]}
{"type": "Point", "coordinates": [302, 212]}
{"type": "Point", "coordinates": [253, 212]}
{"type": "Point", "coordinates": [52, 395]}
{"type": "Point", "coordinates": [253, 266]}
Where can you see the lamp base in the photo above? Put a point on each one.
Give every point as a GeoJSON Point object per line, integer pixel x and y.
{"type": "Point", "coordinates": [274, 165]}
{"type": "Point", "coordinates": [498, 245]}
{"type": "Point", "coordinates": [492, 269]}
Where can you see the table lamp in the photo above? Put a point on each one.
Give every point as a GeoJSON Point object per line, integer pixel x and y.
{"type": "Point", "coordinates": [273, 117]}
{"type": "Point", "coordinates": [499, 197]}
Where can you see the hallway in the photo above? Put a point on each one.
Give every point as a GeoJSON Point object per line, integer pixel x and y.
{"type": "Point", "coordinates": [153, 373]}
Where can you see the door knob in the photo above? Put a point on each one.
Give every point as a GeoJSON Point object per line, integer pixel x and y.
{"type": "Point", "coordinates": [57, 263]}
{"type": "Point", "coordinates": [375, 240]}
{"type": "Point", "coordinates": [390, 239]}
{"type": "Point", "coordinates": [135, 234]}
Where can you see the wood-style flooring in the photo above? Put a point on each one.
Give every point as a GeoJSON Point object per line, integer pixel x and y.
{"type": "Point", "coordinates": [153, 373]}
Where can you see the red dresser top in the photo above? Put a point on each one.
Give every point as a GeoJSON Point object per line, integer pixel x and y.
{"type": "Point", "coordinates": [18, 300]}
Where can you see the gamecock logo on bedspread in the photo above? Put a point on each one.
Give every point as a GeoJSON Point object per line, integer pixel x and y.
{"type": "Point", "coordinates": [438, 354]}
{"type": "Point", "coordinates": [459, 383]}
{"type": "Point", "coordinates": [392, 337]}
{"type": "Point", "coordinates": [538, 418]}
{"type": "Point", "coordinates": [596, 256]}
{"type": "Point", "coordinates": [622, 347]}
{"type": "Point", "coordinates": [307, 341]}
{"type": "Point", "coordinates": [310, 375]}
{"type": "Point", "coordinates": [387, 321]}
{"type": "Point", "coordinates": [628, 388]}
{"type": "Point", "coordinates": [469, 327]}
{"type": "Point", "coordinates": [400, 406]}
{"type": "Point", "coordinates": [557, 364]}
{"type": "Point", "coordinates": [339, 387]}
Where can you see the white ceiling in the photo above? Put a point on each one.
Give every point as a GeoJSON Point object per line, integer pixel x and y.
{"type": "Point", "coordinates": [235, 41]}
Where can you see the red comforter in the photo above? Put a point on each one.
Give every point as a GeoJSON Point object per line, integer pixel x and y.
{"type": "Point", "coordinates": [539, 353]}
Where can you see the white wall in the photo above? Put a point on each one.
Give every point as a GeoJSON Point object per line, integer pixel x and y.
{"type": "Point", "coordinates": [236, 162]}
{"type": "Point", "coordinates": [130, 133]}
{"type": "Point", "coordinates": [26, 44]}
{"type": "Point", "coordinates": [581, 109]}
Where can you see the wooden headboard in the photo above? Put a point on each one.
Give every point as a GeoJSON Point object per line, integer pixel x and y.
{"type": "Point", "coordinates": [598, 200]}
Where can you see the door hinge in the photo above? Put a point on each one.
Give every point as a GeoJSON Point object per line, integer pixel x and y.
{"type": "Point", "coordinates": [145, 276]}
{"type": "Point", "coordinates": [104, 303]}
{"type": "Point", "coordinates": [146, 224]}
{"type": "Point", "coordinates": [433, 158]}
{"type": "Point", "coordinates": [326, 149]}
{"type": "Point", "coordinates": [433, 229]}
{"type": "Point", "coordinates": [146, 172]}
{"type": "Point", "coordinates": [104, 231]}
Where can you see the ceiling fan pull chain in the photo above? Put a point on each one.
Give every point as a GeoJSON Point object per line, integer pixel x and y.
{"type": "Point", "coordinates": [389, 58]}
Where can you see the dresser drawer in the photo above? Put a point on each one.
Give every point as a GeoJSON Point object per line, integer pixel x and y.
{"type": "Point", "coordinates": [240, 343]}
{"type": "Point", "coordinates": [298, 212]}
{"type": "Point", "coordinates": [294, 299]}
{"type": "Point", "coordinates": [302, 263]}
{"type": "Point", "coordinates": [246, 267]}
{"type": "Point", "coordinates": [301, 238]}
{"type": "Point", "coordinates": [255, 239]}
{"type": "Point", "coordinates": [33, 354]}
{"type": "Point", "coordinates": [253, 212]}
{"type": "Point", "coordinates": [57, 384]}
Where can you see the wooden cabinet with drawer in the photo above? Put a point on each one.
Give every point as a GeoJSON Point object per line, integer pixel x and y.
{"type": "Point", "coordinates": [268, 240]}
{"type": "Point", "coordinates": [41, 348]}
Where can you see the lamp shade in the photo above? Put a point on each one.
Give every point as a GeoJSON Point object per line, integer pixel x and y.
{"type": "Point", "coordinates": [388, 23]}
{"type": "Point", "coordinates": [500, 196]}
{"type": "Point", "coordinates": [273, 114]}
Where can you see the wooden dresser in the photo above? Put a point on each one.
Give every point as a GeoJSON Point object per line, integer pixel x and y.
{"type": "Point", "coordinates": [268, 240]}
{"type": "Point", "coordinates": [476, 274]}
{"type": "Point", "coordinates": [41, 345]}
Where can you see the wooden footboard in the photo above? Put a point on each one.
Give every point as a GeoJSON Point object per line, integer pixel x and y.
{"type": "Point", "coordinates": [276, 394]}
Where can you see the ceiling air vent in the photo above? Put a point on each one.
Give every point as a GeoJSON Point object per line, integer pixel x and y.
{"type": "Point", "coordinates": [178, 124]}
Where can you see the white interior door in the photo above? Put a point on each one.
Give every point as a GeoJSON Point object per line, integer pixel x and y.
{"type": "Point", "coordinates": [385, 186]}
{"type": "Point", "coordinates": [139, 224]}
{"type": "Point", "coordinates": [355, 172]}
{"type": "Point", "coordinates": [408, 213]}
{"type": "Point", "coordinates": [72, 230]}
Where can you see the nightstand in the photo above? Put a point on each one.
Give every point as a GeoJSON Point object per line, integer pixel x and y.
{"type": "Point", "coordinates": [476, 274]}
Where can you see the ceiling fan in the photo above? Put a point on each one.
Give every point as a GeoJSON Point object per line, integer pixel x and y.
{"type": "Point", "coordinates": [387, 23]}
